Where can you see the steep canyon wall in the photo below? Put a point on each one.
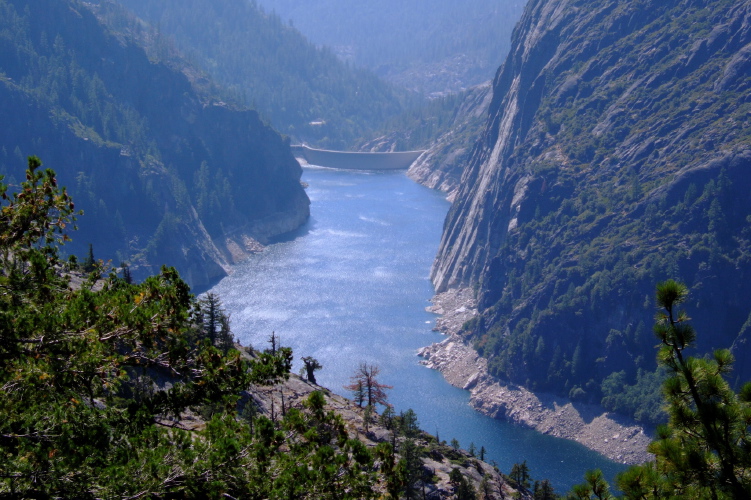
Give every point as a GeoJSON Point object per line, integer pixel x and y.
{"type": "Point", "coordinates": [617, 154]}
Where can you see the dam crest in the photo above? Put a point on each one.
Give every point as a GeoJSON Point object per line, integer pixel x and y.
{"type": "Point", "coordinates": [356, 160]}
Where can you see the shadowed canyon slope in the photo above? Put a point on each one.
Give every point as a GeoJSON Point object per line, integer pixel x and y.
{"type": "Point", "coordinates": [165, 173]}
{"type": "Point", "coordinates": [616, 155]}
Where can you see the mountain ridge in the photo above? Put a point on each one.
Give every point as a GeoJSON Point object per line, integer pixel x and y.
{"type": "Point", "coordinates": [431, 47]}
{"type": "Point", "coordinates": [303, 90]}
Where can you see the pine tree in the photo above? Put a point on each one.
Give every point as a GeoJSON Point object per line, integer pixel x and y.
{"type": "Point", "coordinates": [705, 450]}
{"type": "Point", "coordinates": [311, 365]}
{"type": "Point", "coordinates": [594, 486]}
{"type": "Point", "coordinates": [543, 490]}
{"type": "Point", "coordinates": [214, 322]}
{"type": "Point", "coordinates": [462, 489]}
{"type": "Point", "coordinates": [224, 340]}
{"type": "Point", "coordinates": [89, 262]}
{"type": "Point", "coordinates": [408, 424]}
{"type": "Point", "coordinates": [411, 466]}
{"type": "Point", "coordinates": [211, 308]}
{"type": "Point", "coordinates": [520, 475]}
{"type": "Point", "coordinates": [358, 392]}
{"type": "Point", "coordinates": [384, 452]}
{"type": "Point", "coordinates": [127, 277]}
{"type": "Point", "coordinates": [486, 488]}
{"type": "Point", "coordinates": [387, 418]}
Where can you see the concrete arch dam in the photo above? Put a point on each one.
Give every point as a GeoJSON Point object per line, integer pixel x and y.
{"type": "Point", "coordinates": [353, 160]}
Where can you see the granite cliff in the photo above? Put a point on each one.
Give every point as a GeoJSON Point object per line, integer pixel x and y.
{"type": "Point", "coordinates": [617, 153]}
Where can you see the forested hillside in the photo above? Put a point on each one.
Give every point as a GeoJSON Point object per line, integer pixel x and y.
{"type": "Point", "coordinates": [617, 154]}
{"type": "Point", "coordinates": [305, 91]}
{"type": "Point", "coordinates": [165, 172]}
{"type": "Point", "coordinates": [430, 46]}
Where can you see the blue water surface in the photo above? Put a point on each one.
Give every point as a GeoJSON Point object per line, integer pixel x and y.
{"type": "Point", "coordinates": [352, 285]}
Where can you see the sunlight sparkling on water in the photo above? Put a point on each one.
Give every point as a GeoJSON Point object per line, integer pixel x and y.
{"type": "Point", "coordinates": [352, 285]}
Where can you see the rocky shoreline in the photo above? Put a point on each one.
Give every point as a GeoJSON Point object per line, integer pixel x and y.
{"type": "Point", "coordinates": [615, 437]}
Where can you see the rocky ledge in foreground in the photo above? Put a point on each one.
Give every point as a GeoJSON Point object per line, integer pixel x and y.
{"type": "Point", "coordinates": [615, 437]}
{"type": "Point", "coordinates": [438, 460]}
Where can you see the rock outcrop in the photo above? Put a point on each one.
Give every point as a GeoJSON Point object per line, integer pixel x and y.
{"type": "Point", "coordinates": [438, 459]}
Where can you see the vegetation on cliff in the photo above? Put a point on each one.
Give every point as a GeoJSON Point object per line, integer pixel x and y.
{"type": "Point", "coordinates": [94, 377]}
{"type": "Point", "coordinates": [446, 128]}
{"type": "Point", "coordinates": [616, 155]}
{"type": "Point", "coordinates": [137, 137]}
{"type": "Point", "coordinates": [418, 127]}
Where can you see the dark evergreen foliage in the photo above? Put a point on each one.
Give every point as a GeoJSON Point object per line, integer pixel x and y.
{"type": "Point", "coordinates": [519, 475]}
{"type": "Point", "coordinates": [311, 365]}
{"type": "Point", "coordinates": [462, 489]}
{"type": "Point", "coordinates": [705, 449]}
{"type": "Point", "coordinates": [408, 424]}
{"type": "Point", "coordinates": [213, 322]}
{"type": "Point", "coordinates": [411, 468]}
{"type": "Point", "coordinates": [543, 490]}
{"type": "Point", "coordinates": [89, 262]}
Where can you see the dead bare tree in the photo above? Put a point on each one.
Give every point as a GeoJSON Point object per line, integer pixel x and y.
{"type": "Point", "coordinates": [366, 388]}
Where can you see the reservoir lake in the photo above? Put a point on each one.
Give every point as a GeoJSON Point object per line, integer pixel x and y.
{"type": "Point", "coordinates": [352, 285]}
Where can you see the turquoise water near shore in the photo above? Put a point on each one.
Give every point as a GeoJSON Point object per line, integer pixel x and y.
{"type": "Point", "coordinates": [352, 286]}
